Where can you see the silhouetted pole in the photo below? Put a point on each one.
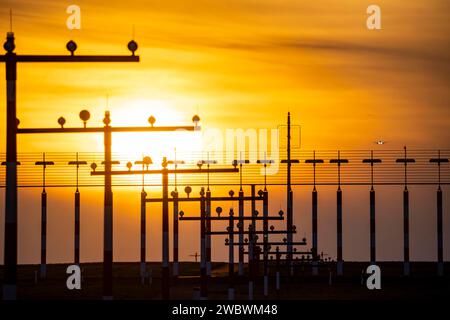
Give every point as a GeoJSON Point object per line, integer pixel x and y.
{"type": "Point", "coordinates": [240, 224]}
{"type": "Point", "coordinates": [208, 228]}
{"type": "Point", "coordinates": [373, 243]}
{"type": "Point", "coordinates": [265, 196]}
{"type": "Point", "coordinates": [11, 60]}
{"type": "Point", "coordinates": [277, 275]}
{"type": "Point", "coordinates": [76, 246]}
{"type": "Point", "coordinates": [143, 235]}
{"type": "Point", "coordinates": [266, 241]}
{"type": "Point", "coordinates": [241, 231]}
{"type": "Point", "coordinates": [372, 161]}
{"type": "Point", "coordinates": [175, 233]}
{"type": "Point", "coordinates": [174, 194]}
{"type": "Point", "coordinates": [203, 271]}
{"type": "Point", "coordinates": [108, 215]}
{"type": "Point", "coordinates": [289, 215]}
{"type": "Point", "coordinates": [251, 261]}
{"type": "Point", "coordinates": [289, 198]}
{"type": "Point", "coordinates": [10, 243]}
{"type": "Point", "coordinates": [340, 261]}
{"type": "Point", "coordinates": [207, 215]}
{"type": "Point", "coordinates": [231, 256]}
{"type": "Point", "coordinates": [145, 162]}
{"type": "Point", "coordinates": [406, 266]}
{"type": "Point", "coordinates": [315, 268]}
{"type": "Point", "coordinates": [440, 238]}
{"type": "Point", "coordinates": [43, 267]}
{"type": "Point", "coordinates": [77, 228]}
{"type": "Point", "coordinates": [406, 263]}
{"type": "Point", "coordinates": [251, 247]}
{"type": "Point", "coordinates": [314, 231]}
{"type": "Point", "coordinates": [165, 279]}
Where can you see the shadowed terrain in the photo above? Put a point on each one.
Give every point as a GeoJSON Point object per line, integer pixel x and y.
{"type": "Point", "coordinates": [423, 284]}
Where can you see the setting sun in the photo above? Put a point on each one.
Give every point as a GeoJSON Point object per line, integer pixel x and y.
{"type": "Point", "coordinates": [155, 144]}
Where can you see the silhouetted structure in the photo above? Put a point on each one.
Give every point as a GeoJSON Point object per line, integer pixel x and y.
{"type": "Point", "coordinates": [11, 60]}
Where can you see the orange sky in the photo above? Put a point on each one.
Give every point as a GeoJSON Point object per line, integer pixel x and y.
{"type": "Point", "coordinates": [234, 60]}
{"type": "Point", "coordinates": [239, 64]}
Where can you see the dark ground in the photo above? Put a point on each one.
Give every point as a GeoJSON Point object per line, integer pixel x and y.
{"type": "Point", "coordinates": [422, 284]}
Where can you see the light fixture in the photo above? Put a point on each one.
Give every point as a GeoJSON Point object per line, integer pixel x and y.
{"type": "Point", "coordinates": [107, 119]}
{"type": "Point", "coordinates": [147, 160]}
{"type": "Point", "coordinates": [151, 120]}
{"type": "Point", "coordinates": [84, 116]}
{"type": "Point", "coordinates": [61, 122]}
{"type": "Point", "coordinates": [188, 190]}
{"type": "Point", "coordinates": [196, 120]}
{"type": "Point", "coordinates": [9, 45]}
{"type": "Point", "coordinates": [132, 46]}
{"type": "Point", "coordinates": [129, 165]}
{"type": "Point", "coordinates": [71, 46]}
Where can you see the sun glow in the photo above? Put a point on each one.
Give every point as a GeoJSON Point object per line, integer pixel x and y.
{"type": "Point", "coordinates": [157, 145]}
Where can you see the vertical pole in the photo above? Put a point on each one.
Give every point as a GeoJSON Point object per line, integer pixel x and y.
{"type": "Point", "coordinates": [439, 216]}
{"type": "Point", "coordinates": [77, 218]}
{"type": "Point", "coordinates": [230, 257]}
{"type": "Point", "coordinates": [266, 241]}
{"type": "Point", "coordinates": [315, 270]}
{"type": "Point", "coordinates": [241, 232]}
{"type": "Point", "coordinates": [203, 273]}
{"type": "Point", "coordinates": [43, 269]}
{"type": "Point", "coordinates": [208, 228]}
{"type": "Point", "coordinates": [340, 262]}
{"type": "Point", "coordinates": [406, 264]}
{"type": "Point", "coordinates": [143, 235]}
{"type": "Point", "coordinates": [440, 239]}
{"type": "Point", "coordinates": [253, 205]}
{"type": "Point", "coordinates": [251, 247]}
{"type": "Point", "coordinates": [10, 243]}
{"type": "Point", "coordinates": [175, 234]}
{"type": "Point", "coordinates": [77, 227]}
{"type": "Point", "coordinates": [372, 214]}
{"type": "Point", "coordinates": [289, 216]}
{"type": "Point", "coordinates": [277, 280]}
{"type": "Point", "coordinates": [165, 285]}
{"type": "Point", "coordinates": [108, 216]}
{"type": "Point", "coordinates": [251, 262]}
{"type": "Point", "coordinates": [372, 227]}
